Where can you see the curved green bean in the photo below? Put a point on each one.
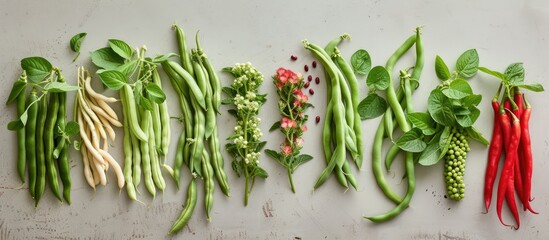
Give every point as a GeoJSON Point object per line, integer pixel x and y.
{"type": "Point", "coordinates": [132, 114]}
{"type": "Point", "coordinates": [376, 165]}
{"type": "Point", "coordinates": [187, 212]}
{"type": "Point", "coordinates": [217, 163]}
{"type": "Point", "coordinates": [30, 140]}
{"type": "Point", "coordinates": [391, 155]}
{"type": "Point", "coordinates": [330, 47]}
{"type": "Point", "coordinates": [209, 186]}
{"type": "Point", "coordinates": [326, 145]}
{"type": "Point", "coordinates": [190, 82]}
{"type": "Point", "coordinates": [183, 51]}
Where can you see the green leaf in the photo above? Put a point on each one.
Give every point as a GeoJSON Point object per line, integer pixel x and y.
{"type": "Point", "coordinates": [445, 141]}
{"type": "Point", "coordinates": [514, 73]}
{"type": "Point", "coordinates": [272, 153]}
{"type": "Point", "coordinates": [458, 89]}
{"type": "Point", "coordinates": [260, 146]}
{"type": "Point", "coordinates": [72, 128]}
{"type": "Point", "coordinates": [378, 78]}
{"type": "Point", "coordinates": [37, 68]}
{"type": "Point", "coordinates": [422, 121]}
{"type": "Point", "coordinates": [476, 135]}
{"type": "Point", "coordinates": [461, 110]}
{"type": "Point", "coordinates": [76, 41]}
{"type": "Point", "coordinates": [440, 108]}
{"type": "Point", "coordinates": [163, 57]}
{"type": "Point", "coordinates": [469, 119]}
{"type": "Point", "coordinates": [18, 88]}
{"type": "Point", "coordinates": [441, 69]}
{"type": "Point", "coordinates": [301, 159]}
{"type": "Point", "coordinates": [144, 102]}
{"type": "Point", "coordinates": [15, 125]}
{"type": "Point", "coordinates": [361, 62]}
{"type": "Point", "coordinates": [236, 168]}
{"type": "Point", "coordinates": [372, 106]}
{"type": "Point", "coordinates": [121, 48]}
{"type": "Point", "coordinates": [106, 58]}
{"type": "Point", "coordinates": [60, 87]}
{"type": "Point", "coordinates": [467, 63]}
{"type": "Point", "coordinates": [128, 68]}
{"type": "Point", "coordinates": [411, 141]}
{"type": "Point", "coordinates": [259, 172]}
{"type": "Point", "coordinates": [430, 155]}
{"type": "Point", "coordinates": [155, 93]}
{"type": "Point", "coordinates": [496, 74]}
{"type": "Point", "coordinates": [535, 87]}
{"type": "Point", "coordinates": [113, 79]}
{"type": "Point", "coordinates": [471, 100]}
{"type": "Point", "coordinates": [275, 126]}
{"type": "Point", "coordinates": [231, 93]}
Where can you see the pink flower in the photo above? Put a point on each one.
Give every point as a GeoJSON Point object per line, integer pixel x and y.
{"type": "Point", "coordinates": [299, 142]}
{"type": "Point", "coordinates": [286, 150]}
{"type": "Point", "coordinates": [287, 123]}
{"type": "Point", "coordinates": [304, 128]}
{"type": "Point", "coordinates": [280, 71]}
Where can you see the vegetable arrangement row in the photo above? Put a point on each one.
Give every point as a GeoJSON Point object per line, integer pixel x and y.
{"type": "Point", "coordinates": [443, 131]}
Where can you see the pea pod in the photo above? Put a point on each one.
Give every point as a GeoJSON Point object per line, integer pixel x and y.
{"type": "Point", "coordinates": [30, 140]}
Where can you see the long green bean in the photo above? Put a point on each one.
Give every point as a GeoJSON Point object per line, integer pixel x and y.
{"type": "Point", "coordinates": [30, 140]}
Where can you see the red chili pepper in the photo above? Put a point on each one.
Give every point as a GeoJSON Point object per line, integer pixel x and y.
{"type": "Point", "coordinates": [518, 169]}
{"type": "Point", "coordinates": [527, 155]}
{"type": "Point", "coordinates": [494, 154]}
{"type": "Point", "coordinates": [506, 181]}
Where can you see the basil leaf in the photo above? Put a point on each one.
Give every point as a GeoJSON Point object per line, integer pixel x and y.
{"type": "Point", "coordinates": [471, 100]}
{"type": "Point", "coordinates": [361, 62]}
{"type": "Point", "coordinates": [18, 88]}
{"type": "Point", "coordinates": [106, 58]}
{"type": "Point", "coordinates": [155, 93]}
{"type": "Point", "coordinates": [60, 87]}
{"type": "Point", "coordinates": [128, 68]}
{"type": "Point", "coordinates": [113, 79]}
{"type": "Point", "coordinates": [163, 57]}
{"type": "Point", "coordinates": [378, 78]}
{"type": "Point", "coordinates": [469, 119]}
{"type": "Point", "coordinates": [15, 125]}
{"type": "Point", "coordinates": [422, 121]}
{"type": "Point", "coordinates": [430, 155]}
{"type": "Point", "coordinates": [476, 135]}
{"type": "Point", "coordinates": [458, 89]}
{"type": "Point", "coordinates": [72, 128]}
{"type": "Point", "coordinates": [76, 41]}
{"type": "Point", "coordinates": [441, 69]}
{"type": "Point", "coordinates": [514, 73]}
{"type": "Point", "coordinates": [445, 141]}
{"type": "Point", "coordinates": [411, 141]}
{"type": "Point", "coordinates": [121, 48]}
{"type": "Point", "coordinates": [535, 87]}
{"type": "Point", "coordinates": [439, 107]}
{"type": "Point", "coordinates": [275, 126]}
{"type": "Point", "coordinates": [371, 107]}
{"type": "Point", "coordinates": [467, 63]}
{"type": "Point", "coordinates": [37, 68]}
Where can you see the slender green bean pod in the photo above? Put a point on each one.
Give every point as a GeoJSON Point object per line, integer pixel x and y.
{"type": "Point", "coordinates": [203, 83]}
{"type": "Point", "coordinates": [63, 158]}
{"type": "Point", "coordinates": [346, 169]}
{"type": "Point", "coordinates": [132, 114]}
{"type": "Point", "coordinates": [376, 165]}
{"type": "Point", "coordinates": [183, 50]}
{"type": "Point", "coordinates": [194, 88]}
{"type": "Point", "coordinates": [187, 212]}
{"type": "Point", "coordinates": [49, 128]}
{"type": "Point", "coordinates": [155, 162]}
{"type": "Point", "coordinates": [157, 127]}
{"type": "Point", "coordinates": [21, 148]}
{"type": "Point", "coordinates": [30, 140]}
{"type": "Point", "coordinates": [164, 118]}
{"type": "Point", "coordinates": [40, 154]}
{"type": "Point", "coordinates": [198, 140]}
{"type": "Point", "coordinates": [145, 155]}
{"type": "Point", "coordinates": [326, 144]}
{"type": "Point", "coordinates": [215, 82]}
{"type": "Point", "coordinates": [128, 155]}
{"type": "Point", "coordinates": [209, 185]}
{"type": "Point", "coordinates": [178, 161]}
{"type": "Point", "coordinates": [217, 163]}
{"type": "Point", "coordinates": [330, 47]}
{"type": "Point", "coordinates": [391, 155]}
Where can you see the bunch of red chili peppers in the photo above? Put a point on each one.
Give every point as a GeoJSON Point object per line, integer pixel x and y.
{"type": "Point", "coordinates": [511, 137]}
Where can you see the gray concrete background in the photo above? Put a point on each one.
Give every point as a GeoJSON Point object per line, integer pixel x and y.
{"type": "Point", "coordinates": [266, 34]}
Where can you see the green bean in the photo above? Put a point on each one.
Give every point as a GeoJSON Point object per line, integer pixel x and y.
{"type": "Point", "coordinates": [179, 155]}
{"type": "Point", "coordinates": [189, 80]}
{"type": "Point", "coordinates": [346, 169]}
{"type": "Point", "coordinates": [40, 155]}
{"type": "Point", "coordinates": [355, 97]}
{"type": "Point", "coordinates": [49, 129]}
{"type": "Point", "coordinates": [202, 80]}
{"type": "Point", "coordinates": [198, 140]}
{"type": "Point", "coordinates": [376, 165]}
{"type": "Point", "coordinates": [420, 58]}
{"type": "Point", "coordinates": [30, 140]}
{"type": "Point", "coordinates": [217, 163]}
{"type": "Point", "coordinates": [350, 141]}
{"type": "Point", "coordinates": [155, 163]}
{"type": "Point", "coordinates": [187, 212]}
{"type": "Point", "coordinates": [391, 155]}
{"type": "Point", "coordinates": [63, 158]}
{"type": "Point", "coordinates": [326, 144]}
{"type": "Point", "coordinates": [209, 186]}
{"type": "Point", "coordinates": [145, 155]}
{"type": "Point", "coordinates": [128, 155]}
{"type": "Point", "coordinates": [330, 47]}
{"type": "Point", "coordinates": [215, 82]}
{"type": "Point", "coordinates": [157, 127]}
{"type": "Point", "coordinates": [21, 149]}
{"type": "Point", "coordinates": [132, 114]}
{"type": "Point", "coordinates": [183, 53]}
{"type": "Point", "coordinates": [346, 95]}
{"type": "Point", "coordinates": [389, 123]}
{"type": "Point", "coordinates": [136, 163]}
{"type": "Point", "coordinates": [164, 118]}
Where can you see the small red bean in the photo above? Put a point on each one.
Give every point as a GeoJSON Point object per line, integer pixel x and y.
{"type": "Point", "coordinates": [306, 68]}
{"type": "Point", "coordinates": [317, 119]}
{"type": "Point", "coordinates": [311, 91]}
{"type": "Point", "coordinates": [310, 78]}
{"type": "Point", "coordinates": [307, 84]}
{"type": "Point", "coordinates": [317, 80]}
{"type": "Point", "coordinates": [314, 64]}
{"type": "Point", "coordinates": [293, 57]}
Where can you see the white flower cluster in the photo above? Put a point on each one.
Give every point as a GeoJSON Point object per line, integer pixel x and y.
{"type": "Point", "coordinates": [246, 104]}
{"type": "Point", "coordinates": [240, 142]}
{"type": "Point", "coordinates": [248, 76]}
{"type": "Point", "coordinates": [252, 158]}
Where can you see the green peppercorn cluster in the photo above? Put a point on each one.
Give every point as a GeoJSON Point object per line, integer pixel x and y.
{"type": "Point", "coordinates": [454, 166]}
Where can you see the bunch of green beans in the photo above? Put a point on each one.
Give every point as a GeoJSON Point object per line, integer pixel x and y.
{"type": "Point", "coordinates": [342, 131]}
{"type": "Point", "coordinates": [399, 101]}
{"type": "Point", "coordinates": [198, 87]}
{"type": "Point", "coordinates": [42, 150]}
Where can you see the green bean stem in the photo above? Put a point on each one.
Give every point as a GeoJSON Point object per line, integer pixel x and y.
{"type": "Point", "coordinates": [30, 140]}
{"type": "Point", "coordinates": [49, 138]}
{"type": "Point", "coordinates": [40, 154]}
